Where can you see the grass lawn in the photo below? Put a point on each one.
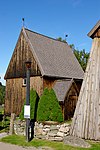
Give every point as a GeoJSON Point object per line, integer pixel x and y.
{"type": "Point", "coordinates": [20, 140]}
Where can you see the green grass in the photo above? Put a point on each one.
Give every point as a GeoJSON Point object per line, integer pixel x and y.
{"type": "Point", "coordinates": [20, 140]}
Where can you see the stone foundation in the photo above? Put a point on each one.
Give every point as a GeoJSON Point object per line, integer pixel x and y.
{"type": "Point", "coordinates": [48, 130]}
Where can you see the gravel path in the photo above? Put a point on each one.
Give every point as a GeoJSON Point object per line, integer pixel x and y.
{"type": "Point", "coordinates": [5, 146]}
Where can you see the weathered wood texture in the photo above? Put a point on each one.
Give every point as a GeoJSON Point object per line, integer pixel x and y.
{"type": "Point", "coordinates": [15, 96]}
{"type": "Point", "coordinates": [86, 121]}
{"type": "Point", "coordinates": [70, 102]}
{"type": "Point", "coordinates": [16, 93]}
{"type": "Point", "coordinates": [21, 54]}
{"type": "Point", "coordinates": [12, 119]}
{"type": "Point", "coordinates": [96, 33]}
{"type": "Point", "coordinates": [37, 84]}
{"type": "Point", "coordinates": [48, 82]}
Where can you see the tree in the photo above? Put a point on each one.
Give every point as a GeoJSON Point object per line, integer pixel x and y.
{"type": "Point", "coordinates": [2, 93]}
{"type": "Point", "coordinates": [81, 55]}
{"type": "Point", "coordinates": [60, 39]}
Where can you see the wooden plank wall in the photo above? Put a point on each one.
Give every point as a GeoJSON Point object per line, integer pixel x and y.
{"type": "Point", "coordinates": [21, 54]}
{"type": "Point", "coordinates": [16, 93]}
{"type": "Point", "coordinates": [37, 84]}
{"type": "Point", "coordinates": [48, 82]}
{"type": "Point", "coordinates": [70, 102]}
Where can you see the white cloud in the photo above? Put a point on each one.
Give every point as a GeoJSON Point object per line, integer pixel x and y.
{"type": "Point", "coordinates": [2, 78]}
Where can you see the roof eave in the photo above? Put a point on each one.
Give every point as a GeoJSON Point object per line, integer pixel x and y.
{"type": "Point", "coordinates": [93, 30]}
{"type": "Point", "coordinates": [62, 77]}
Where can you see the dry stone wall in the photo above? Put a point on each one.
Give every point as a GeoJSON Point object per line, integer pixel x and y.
{"type": "Point", "coordinates": [52, 131]}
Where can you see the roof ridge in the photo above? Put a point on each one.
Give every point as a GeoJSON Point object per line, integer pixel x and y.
{"type": "Point", "coordinates": [45, 36]}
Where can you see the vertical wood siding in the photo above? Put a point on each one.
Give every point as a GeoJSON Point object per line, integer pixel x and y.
{"type": "Point", "coordinates": [70, 102]}
{"type": "Point", "coordinates": [16, 93]}
{"type": "Point", "coordinates": [21, 54]}
{"type": "Point", "coordinates": [48, 83]}
{"type": "Point", "coordinates": [37, 84]}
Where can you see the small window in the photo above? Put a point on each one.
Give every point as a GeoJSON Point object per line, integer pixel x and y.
{"type": "Point", "coordinates": [24, 81]}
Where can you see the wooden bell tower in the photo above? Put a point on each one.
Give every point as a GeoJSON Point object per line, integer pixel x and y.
{"type": "Point", "coordinates": [86, 120]}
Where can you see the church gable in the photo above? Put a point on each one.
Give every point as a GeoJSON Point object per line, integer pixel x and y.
{"type": "Point", "coordinates": [21, 54]}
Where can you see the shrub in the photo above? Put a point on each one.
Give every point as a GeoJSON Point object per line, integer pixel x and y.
{"type": "Point", "coordinates": [48, 107]}
{"type": "Point", "coordinates": [34, 98]}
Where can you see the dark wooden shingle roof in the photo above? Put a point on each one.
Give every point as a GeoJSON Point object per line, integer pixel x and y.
{"type": "Point", "coordinates": [61, 88]}
{"type": "Point", "coordinates": [55, 58]}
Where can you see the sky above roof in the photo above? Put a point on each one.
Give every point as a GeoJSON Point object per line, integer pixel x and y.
{"type": "Point", "coordinates": [54, 18]}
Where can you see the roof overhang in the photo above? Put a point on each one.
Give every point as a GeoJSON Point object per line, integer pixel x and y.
{"type": "Point", "coordinates": [95, 29]}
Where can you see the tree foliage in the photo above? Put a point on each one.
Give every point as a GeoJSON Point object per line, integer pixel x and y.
{"type": "Point", "coordinates": [60, 39]}
{"type": "Point", "coordinates": [81, 55]}
{"type": "Point", "coordinates": [2, 93]}
{"type": "Point", "coordinates": [48, 107]}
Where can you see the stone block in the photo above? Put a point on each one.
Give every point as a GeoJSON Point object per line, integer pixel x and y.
{"type": "Point", "coordinates": [39, 131]}
{"type": "Point", "coordinates": [44, 133]}
{"type": "Point", "coordinates": [61, 134]}
{"type": "Point", "coordinates": [40, 125]}
{"type": "Point", "coordinates": [46, 129]}
{"type": "Point", "coordinates": [60, 139]}
{"type": "Point", "coordinates": [51, 134]}
{"type": "Point", "coordinates": [53, 127]}
{"type": "Point", "coordinates": [62, 129]}
{"type": "Point", "coordinates": [58, 126]}
{"type": "Point", "coordinates": [46, 126]}
{"type": "Point", "coordinates": [66, 129]}
{"type": "Point", "coordinates": [51, 138]}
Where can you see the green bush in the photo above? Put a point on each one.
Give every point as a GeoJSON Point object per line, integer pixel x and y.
{"type": "Point", "coordinates": [34, 98]}
{"type": "Point", "coordinates": [48, 107]}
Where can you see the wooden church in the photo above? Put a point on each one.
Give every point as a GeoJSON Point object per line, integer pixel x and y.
{"type": "Point", "coordinates": [53, 65]}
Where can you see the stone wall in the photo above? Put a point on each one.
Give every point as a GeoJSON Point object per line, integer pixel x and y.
{"type": "Point", "coordinates": [49, 131]}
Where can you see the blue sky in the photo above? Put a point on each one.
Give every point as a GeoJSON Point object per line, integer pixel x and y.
{"type": "Point", "coordinates": [54, 18]}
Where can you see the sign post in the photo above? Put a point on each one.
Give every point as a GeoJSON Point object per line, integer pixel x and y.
{"type": "Point", "coordinates": [27, 106]}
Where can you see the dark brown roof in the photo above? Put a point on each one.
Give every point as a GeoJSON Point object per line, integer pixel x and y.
{"type": "Point", "coordinates": [94, 29]}
{"type": "Point", "coordinates": [55, 58]}
{"type": "Point", "coordinates": [61, 88]}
